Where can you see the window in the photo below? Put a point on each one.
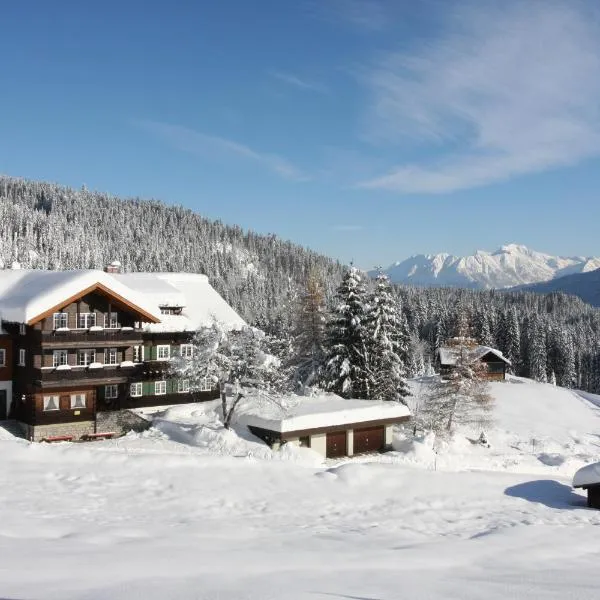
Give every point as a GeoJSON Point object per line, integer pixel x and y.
{"type": "Point", "coordinates": [77, 400]}
{"type": "Point", "coordinates": [60, 357]}
{"type": "Point", "coordinates": [183, 386]}
{"type": "Point", "coordinates": [186, 350]}
{"type": "Point", "coordinates": [163, 352]}
{"type": "Point", "coordinates": [111, 321]}
{"type": "Point", "coordinates": [22, 328]}
{"type": "Point", "coordinates": [160, 388]}
{"type": "Point", "coordinates": [304, 441]}
{"type": "Point", "coordinates": [86, 320]}
{"type": "Point", "coordinates": [111, 391]}
{"type": "Point", "coordinates": [22, 357]}
{"type": "Point", "coordinates": [60, 320]}
{"type": "Point", "coordinates": [86, 357]}
{"type": "Point", "coordinates": [138, 354]}
{"type": "Point", "coordinates": [205, 385]}
{"type": "Point", "coordinates": [110, 356]}
{"type": "Point", "coordinates": [51, 403]}
{"type": "Point", "coordinates": [135, 390]}
{"type": "Point", "coordinates": [2, 357]}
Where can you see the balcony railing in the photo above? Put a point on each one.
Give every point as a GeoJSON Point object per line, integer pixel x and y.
{"type": "Point", "coordinates": [106, 373]}
{"type": "Point", "coordinates": [83, 337]}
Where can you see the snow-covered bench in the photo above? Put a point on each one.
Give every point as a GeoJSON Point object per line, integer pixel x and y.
{"type": "Point", "coordinates": [588, 478]}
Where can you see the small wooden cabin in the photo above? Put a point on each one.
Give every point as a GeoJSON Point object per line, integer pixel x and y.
{"type": "Point", "coordinates": [459, 350]}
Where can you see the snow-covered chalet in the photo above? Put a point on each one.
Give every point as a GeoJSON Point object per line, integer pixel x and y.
{"type": "Point", "coordinates": [466, 350]}
{"type": "Point", "coordinates": [75, 345]}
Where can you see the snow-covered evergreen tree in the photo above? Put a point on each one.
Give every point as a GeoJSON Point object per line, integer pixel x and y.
{"type": "Point", "coordinates": [388, 344]}
{"type": "Point", "coordinates": [347, 370]}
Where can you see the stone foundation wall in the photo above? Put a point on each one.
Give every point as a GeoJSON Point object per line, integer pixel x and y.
{"type": "Point", "coordinates": [120, 421]}
{"type": "Point", "coordinates": [36, 433]}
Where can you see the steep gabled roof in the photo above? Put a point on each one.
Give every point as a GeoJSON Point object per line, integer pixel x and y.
{"type": "Point", "coordinates": [27, 296]}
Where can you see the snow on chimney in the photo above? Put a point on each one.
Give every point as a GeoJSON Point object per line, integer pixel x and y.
{"type": "Point", "coordinates": [114, 267]}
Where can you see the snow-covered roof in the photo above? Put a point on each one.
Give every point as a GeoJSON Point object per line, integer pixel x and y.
{"type": "Point", "coordinates": [200, 303]}
{"type": "Point", "coordinates": [27, 294]}
{"type": "Point", "coordinates": [298, 413]}
{"type": "Point", "coordinates": [449, 356]}
{"type": "Point", "coordinates": [588, 475]}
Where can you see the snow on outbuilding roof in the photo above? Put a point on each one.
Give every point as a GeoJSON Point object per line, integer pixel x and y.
{"type": "Point", "coordinates": [298, 413]}
{"type": "Point", "coordinates": [449, 356]}
{"type": "Point", "coordinates": [25, 295]}
{"type": "Point", "coordinates": [588, 475]}
{"type": "Point", "coordinates": [199, 302]}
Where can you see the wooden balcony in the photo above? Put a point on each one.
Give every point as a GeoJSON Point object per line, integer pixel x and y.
{"type": "Point", "coordinates": [84, 338]}
{"type": "Point", "coordinates": [84, 375]}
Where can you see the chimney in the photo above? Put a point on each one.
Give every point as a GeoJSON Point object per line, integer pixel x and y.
{"type": "Point", "coordinates": [114, 267]}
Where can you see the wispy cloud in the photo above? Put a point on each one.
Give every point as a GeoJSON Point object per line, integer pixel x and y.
{"type": "Point", "coordinates": [509, 90]}
{"type": "Point", "coordinates": [195, 142]}
{"type": "Point", "coordinates": [299, 83]}
{"type": "Point", "coordinates": [365, 15]}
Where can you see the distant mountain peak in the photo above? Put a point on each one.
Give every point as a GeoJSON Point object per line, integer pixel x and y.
{"type": "Point", "coordinates": [509, 266]}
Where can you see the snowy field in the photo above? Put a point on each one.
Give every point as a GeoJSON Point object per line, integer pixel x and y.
{"type": "Point", "coordinates": [185, 511]}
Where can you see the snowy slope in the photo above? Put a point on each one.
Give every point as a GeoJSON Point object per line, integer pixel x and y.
{"type": "Point", "coordinates": [184, 511]}
{"type": "Point", "coordinates": [509, 266]}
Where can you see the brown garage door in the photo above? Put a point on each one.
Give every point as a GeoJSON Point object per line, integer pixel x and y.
{"type": "Point", "coordinates": [369, 439]}
{"type": "Point", "coordinates": [336, 444]}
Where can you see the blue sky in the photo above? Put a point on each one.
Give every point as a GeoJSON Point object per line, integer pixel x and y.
{"type": "Point", "coordinates": [367, 130]}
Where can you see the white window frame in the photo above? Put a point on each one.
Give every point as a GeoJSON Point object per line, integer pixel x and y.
{"type": "Point", "coordinates": [160, 388]}
{"type": "Point", "coordinates": [136, 390]}
{"type": "Point", "coordinates": [108, 356]}
{"type": "Point", "coordinates": [75, 398]}
{"type": "Point", "coordinates": [113, 387]}
{"type": "Point", "coordinates": [47, 400]}
{"type": "Point", "coordinates": [22, 357]}
{"type": "Point", "coordinates": [138, 354]}
{"type": "Point", "coordinates": [186, 350]}
{"type": "Point", "coordinates": [22, 328]}
{"type": "Point", "coordinates": [88, 355]}
{"type": "Point", "coordinates": [162, 347]}
{"type": "Point", "coordinates": [112, 321]}
{"type": "Point", "coordinates": [85, 320]}
{"type": "Point", "coordinates": [204, 385]}
{"type": "Point", "coordinates": [58, 319]}
{"type": "Point", "coordinates": [183, 386]}
{"type": "Point", "coordinates": [2, 357]}
{"type": "Point", "coordinates": [63, 360]}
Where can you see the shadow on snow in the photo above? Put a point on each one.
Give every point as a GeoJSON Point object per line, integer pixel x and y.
{"type": "Point", "coordinates": [547, 492]}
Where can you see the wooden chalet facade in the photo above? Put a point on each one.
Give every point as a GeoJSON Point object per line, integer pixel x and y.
{"type": "Point", "coordinates": [465, 350]}
{"type": "Point", "coordinates": [87, 353]}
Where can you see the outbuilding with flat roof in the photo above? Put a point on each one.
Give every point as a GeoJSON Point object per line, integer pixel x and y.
{"type": "Point", "coordinates": [329, 424]}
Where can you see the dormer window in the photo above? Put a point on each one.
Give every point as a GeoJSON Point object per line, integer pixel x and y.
{"type": "Point", "coordinates": [171, 310]}
{"type": "Point", "coordinates": [60, 320]}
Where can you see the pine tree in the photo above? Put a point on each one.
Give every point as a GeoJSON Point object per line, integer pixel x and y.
{"type": "Point", "coordinates": [347, 363]}
{"type": "Point", "coordinates": [388, 344]}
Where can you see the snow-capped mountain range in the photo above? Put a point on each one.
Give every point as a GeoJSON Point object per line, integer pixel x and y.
{"type": "Point", "coordinates": [510, 266]}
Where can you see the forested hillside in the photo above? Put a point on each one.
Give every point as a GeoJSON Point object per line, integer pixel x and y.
{"type": "Point", "coordinates": [48, 226]}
